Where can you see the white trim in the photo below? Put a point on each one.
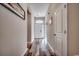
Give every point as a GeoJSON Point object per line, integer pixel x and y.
{"type": "Point", "coordinates": [32, 41]}
{"type": "Point", "coordinates": [24, 52]}
{"type": "Point", "coordinates": [51, 47]}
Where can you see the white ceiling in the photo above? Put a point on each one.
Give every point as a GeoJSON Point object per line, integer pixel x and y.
{"type": "Point", "coordinates": [53, 7]}
{"type": "Point", "coordinates": [39, 9]}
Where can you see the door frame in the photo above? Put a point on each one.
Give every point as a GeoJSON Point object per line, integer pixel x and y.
{"type": "Point", "coordinates": [41, 18]}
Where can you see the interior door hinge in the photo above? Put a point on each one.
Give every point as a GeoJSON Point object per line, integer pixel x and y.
{"type": "Point", "coordinates": [64, 6]}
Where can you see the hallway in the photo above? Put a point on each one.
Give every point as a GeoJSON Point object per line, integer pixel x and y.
{"type": "Point", "coordinates": [48, 28]}
{"type": "Point", "coordinates": [39, 29]}
{"type": "Point", "coordinates": [40, 48]}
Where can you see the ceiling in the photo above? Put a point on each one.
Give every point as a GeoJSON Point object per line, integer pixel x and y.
{"type": "Point", "coordinates": [39, 9]}
{"type": "Point", "coordinates": [52, 7]}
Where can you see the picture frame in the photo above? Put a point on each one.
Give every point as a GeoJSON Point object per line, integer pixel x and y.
{"type": "Point", "coordinates": [15, 8]}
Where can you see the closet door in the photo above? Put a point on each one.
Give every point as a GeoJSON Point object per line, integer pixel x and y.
{"type": "Point", "coordinates": [60, 28]}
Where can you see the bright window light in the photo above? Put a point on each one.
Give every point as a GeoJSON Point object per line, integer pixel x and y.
{"type": "Point", "coordinates": [39, 21]}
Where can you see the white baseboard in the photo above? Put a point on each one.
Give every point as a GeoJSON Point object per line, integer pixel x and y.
{"type": "Point", "coordinates": [31, 41]}
{"type": "Point", "coordinates": [24, 53]}
{"type": "Point", "coordinates": [51, 47]}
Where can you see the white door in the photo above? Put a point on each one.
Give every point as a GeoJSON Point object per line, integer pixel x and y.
{"type": "Point", "coordinates": [39, 29]}
{"type": "Point", "coordinates": [60, 30]}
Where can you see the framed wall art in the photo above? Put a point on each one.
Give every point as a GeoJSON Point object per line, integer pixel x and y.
{"type": "Point", "coordinates": [15, 8]}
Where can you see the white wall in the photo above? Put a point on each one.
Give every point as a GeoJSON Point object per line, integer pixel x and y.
{"type": "Point", "coordinates": [50, 27]}
{"type": "Point", "coordinates": [13, 32]}
{"type": "Point", "coordinates": [50, 37]}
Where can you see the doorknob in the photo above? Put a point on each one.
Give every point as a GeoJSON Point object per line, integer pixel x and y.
{"type": "Point", "coordinates": [54, 34]}
{"type": "Point", "coordinates": [40, 31]}
{"type": "Point", "coordinates": [64, 31]}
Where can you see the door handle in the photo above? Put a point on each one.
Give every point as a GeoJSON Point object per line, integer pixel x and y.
{"type": "Point", "coordinates": [64, 31]}
{"type": "Point", "coordinates": [54, 34]}
{"type": "Point", "coordinates": [40, 31]}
